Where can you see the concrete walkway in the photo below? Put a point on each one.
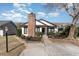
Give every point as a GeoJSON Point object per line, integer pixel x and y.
{"type": "Point", "coordinates": [50, 49]}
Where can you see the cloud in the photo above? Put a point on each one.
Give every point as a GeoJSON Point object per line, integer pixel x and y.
{"type": "Point", "coordinates": [29, 4]}
{"type": "Point", "coordinates": [11, 13]}
{"type": "Point", "coordinates": [18, 14]}
{"type": "Point", "coordinates": [43, 3]}
{"type": "Point", "coordinates": [22, 7]}
{"type": "Point", "coordinates": [30, 9]}
{"type": "Point", "coordinates": [54, 14]}
{"type": "Point", "coordinates": [23, 10]}
{"type": "Point", "coordinates": [13, 16]}
{"type": "Point", "coordinates": [17, 5]}
{"type": "Point", "coordinates": [41, 13]}
{"type": "Point", "coordinates": [6, 14]}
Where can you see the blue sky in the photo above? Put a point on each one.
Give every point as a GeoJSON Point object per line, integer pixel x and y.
{"type": "Point", "coordinates": [18, 12]}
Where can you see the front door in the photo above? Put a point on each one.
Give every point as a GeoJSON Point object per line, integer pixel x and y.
{"type": "Point", "coordinates": [43, 30]}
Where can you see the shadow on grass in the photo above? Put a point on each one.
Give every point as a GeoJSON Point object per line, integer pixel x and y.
{"type": "Point", "coordinates": [16, 47]}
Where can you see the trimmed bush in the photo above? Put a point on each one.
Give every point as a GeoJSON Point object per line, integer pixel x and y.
{"type": "Point", "coordinates": [33, 38]}
{"type": "Point", "coordinates": [37, 38]}
{"type": "Point", "coordinates": [19, 33]}
{"type": "Point", "coordinates": [39, 34]}
{"type": "Point", "coordinates": [23, 37]}
{"type": "Point", "coordinates": [50, 34]}
{"type": "Point", "coordinates": [77, 32]}
{"type": "Point", "coordinates": [61, 34]}
{"type": "Point", "coordinates": [66, 31]}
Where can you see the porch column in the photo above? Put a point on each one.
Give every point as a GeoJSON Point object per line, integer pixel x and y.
{"type": "Point", "coordinates": [22, 30]}
{"type": "Point", "coordinates": [40, 29]}
{"type": "Point", "coordinates": [45, 30]}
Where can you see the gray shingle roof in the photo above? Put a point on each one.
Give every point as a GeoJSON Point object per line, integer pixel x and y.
{"type": "Point", "coordinates": [4, 22]}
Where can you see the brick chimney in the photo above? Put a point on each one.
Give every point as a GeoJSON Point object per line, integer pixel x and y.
{"type": "Point", "coordinates": [31, 25]}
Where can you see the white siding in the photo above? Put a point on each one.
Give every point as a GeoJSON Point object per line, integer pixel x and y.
{"type": "Point", "coordinates": [56, 30]}
{"type": "Point", "coordinates": [49, 29]}
{"type": "Point", "coordinates": [1, 32]}
{"type": "Point", "coordinates": [22, 30]}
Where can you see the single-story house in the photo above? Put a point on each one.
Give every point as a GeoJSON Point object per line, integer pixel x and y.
{"type": "Point", "coordinates": [42, 25]}
{"type": "Point", "coordinates": [10, 25]}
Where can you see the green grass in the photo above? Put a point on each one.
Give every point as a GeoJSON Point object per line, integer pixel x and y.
{"type": "Point", "coordinates": [15, 46]}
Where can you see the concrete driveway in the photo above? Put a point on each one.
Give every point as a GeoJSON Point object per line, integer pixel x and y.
{"type": "Point", "coordinates": [47, 48]}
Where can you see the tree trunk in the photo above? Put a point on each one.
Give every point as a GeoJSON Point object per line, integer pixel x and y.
{"type": "Point", "coordinates": [72, 29]}
{"type": "Point", "coordinates": [72, 32]}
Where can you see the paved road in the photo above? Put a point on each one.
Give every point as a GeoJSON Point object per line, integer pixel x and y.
{"type": "Point", "coordinates": [50, 49]}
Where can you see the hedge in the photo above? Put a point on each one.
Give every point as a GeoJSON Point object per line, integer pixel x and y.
{"type": "Point", "coordinates": [19, 32]}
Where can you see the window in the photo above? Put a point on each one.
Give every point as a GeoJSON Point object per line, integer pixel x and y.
{"type": "Point", "coordinates": [60, 29]}
{"type": "Point", "coordinates": [25, 30]}
{"type": "Point", "coordinates": [50, 29]}
{"type": "Point", "coordinates": [38, 29]}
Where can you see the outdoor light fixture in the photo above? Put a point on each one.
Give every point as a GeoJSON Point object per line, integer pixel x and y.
{"type": "Point", "coordinates": [6, 33]}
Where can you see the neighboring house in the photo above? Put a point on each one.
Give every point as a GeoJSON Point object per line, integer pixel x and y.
{"type": "Point", "coordinates": [41, 26]}
{"type": "Point", "coordinates": [10, 25]}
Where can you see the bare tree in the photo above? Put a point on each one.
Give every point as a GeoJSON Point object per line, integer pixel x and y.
{"type": "Point", "coordinates": [73, 10]}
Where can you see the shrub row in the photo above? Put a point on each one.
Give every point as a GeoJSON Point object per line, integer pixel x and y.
{"type": "Point", "coordinates": [61, 34]}
{"type": "Point", "coordinates": [31, 38]}
{"type": "Point", "coordinates": [19, 32]}
{"type": "Point", "coordinates": [37, 38]}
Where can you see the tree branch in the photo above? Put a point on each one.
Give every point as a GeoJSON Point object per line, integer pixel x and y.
{"type": "Point", "coordinates": [74, 19]}
{"type": "Point", "coordinates": [69, 13]}
{"type": "Point", "coordinates": [66, 8]}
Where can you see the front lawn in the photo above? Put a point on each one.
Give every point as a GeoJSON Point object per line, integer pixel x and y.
{"type": "Point", "coordinates": [15, 46]}
{"type": "Point", "coordinates": [76, 41]}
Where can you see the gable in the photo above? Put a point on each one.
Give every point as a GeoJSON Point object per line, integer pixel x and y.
{"type": "Point", "coordinates": [46, 22]}
{"type": "Point", "coordinates": [39, 23]}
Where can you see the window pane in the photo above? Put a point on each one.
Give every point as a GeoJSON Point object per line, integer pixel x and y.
{"type": "Point", "coordinates": [25, 30]}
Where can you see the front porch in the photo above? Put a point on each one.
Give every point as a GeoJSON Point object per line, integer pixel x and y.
{"type": "Point", "coordinates": [44, 30]}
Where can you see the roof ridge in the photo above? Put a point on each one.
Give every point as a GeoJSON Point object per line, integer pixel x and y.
{"type": "Point", "coordinates": [48, 22]}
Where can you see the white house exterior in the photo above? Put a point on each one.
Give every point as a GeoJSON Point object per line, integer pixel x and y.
{"type": "Point", "coordinates": [41, 26]}
{"type": "Point", "coordinates": [1, 32]}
